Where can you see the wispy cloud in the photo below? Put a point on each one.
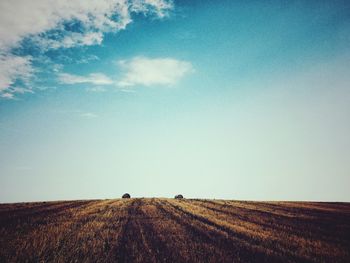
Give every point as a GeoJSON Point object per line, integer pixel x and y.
{"type": "Point", "coordinates": [48, 25]}
{"type": "Point", "coordinates": [70, 39]}
{"type": "Point", "coordinates": [128, 90]}
{"type": "Point", "coordinates": [21, 90]}
{"type": "Point", "coordinates": [153, 71]}
{"type": "Point", "coordinates": [11, 91]}
{"type": "Point", "coordinates": [93, 78]}
{"type": "Point", "coordinates": [136, 71]}
{"type": "Point", "coordinates": [88, 115]}
{"type": "Point", "coordinates": [159, 7]}
{"type": "Point", "coordinates": [76, 113]}
{"type": "Point", "coordinates": [96, 89]}
{"type": "Point", "coordinates": [87, 59]}
{"type": "Point", "coordinates": [14, 68]}
{"type": "Point", "coordinates": [7, 95]}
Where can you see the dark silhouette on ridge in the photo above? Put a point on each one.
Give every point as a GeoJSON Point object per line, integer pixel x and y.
{"type": "Point", "coordinates": [126, 195]}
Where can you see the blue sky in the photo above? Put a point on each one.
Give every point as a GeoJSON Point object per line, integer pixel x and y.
{"type": "Point", "coordinates": [235, 100]}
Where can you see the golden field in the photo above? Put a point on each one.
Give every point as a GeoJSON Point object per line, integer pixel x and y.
{"type": "Point", "coordinates": [171, 230]}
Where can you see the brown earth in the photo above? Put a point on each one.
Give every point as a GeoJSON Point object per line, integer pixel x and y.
{"type": "Point", "coordinates": [169, 230]}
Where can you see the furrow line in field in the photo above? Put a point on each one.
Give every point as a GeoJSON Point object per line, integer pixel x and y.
{"type": "Point", "coordinates": [107, 225]}
{"type": "Point", "coordinates": [8, 220]}
{"type": "Point", "coordinates": [23, 207]}
{"type": "Point", "coordinates": [73, 235]}
{"type": "Point", "coordinates": [129, 242]}
{"type": "Point", "coordinates": [261, 248]}
{"type": "Point", "coordinates": [314, 228]}
{"type": "Point", "coordinates": [285, 242]}
{"type": "Point", "coordinates": [307, 211]}
{"type": "Point", "coordinates": [39, 243]}
{"type": "Point", "coordinates": [194, 233]}
{"type": "Point", "coordinates": [221, 236]}
{"type": "Point", "coordinates": [154, 241]}
{"type": "Point", "coordinates": [275, 233]}
{"type": "Point", "coordinates": [252, 217]}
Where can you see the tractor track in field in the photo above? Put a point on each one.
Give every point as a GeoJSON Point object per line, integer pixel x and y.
{"type": "Point", "coordinates": [224, 237]}
{"type": "Point", "coordinates": [38, 217]}
{"type": "Point", "coordinates": [92, 215]}
{"type": "Point", "coordinates": [246, 215]}
{"type": "Point", "coordinates": [138, 234]}
{"type": "Point", "coordinates": [244, 239]}
{"type": "Point", "coordinates": [297, 225]}
{"type": "Point", "coordinates": [193, 231]}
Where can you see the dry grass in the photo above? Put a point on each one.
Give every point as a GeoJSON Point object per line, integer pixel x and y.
{"type": "Point", "coordinates": [168, 230]}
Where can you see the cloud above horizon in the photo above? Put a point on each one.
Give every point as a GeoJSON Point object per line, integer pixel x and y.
{"type": "Point", "coordinates": [49, 24]}
{"type": "Point", "coordinates": [142, 71]}
{"type": "Point", "coordinates": [93, 78]}
{"type": "Point", "coordinates": [152, 71]}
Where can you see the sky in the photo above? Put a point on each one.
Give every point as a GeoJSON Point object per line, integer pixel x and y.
{"type": "Point", "coordinates": [246, 100]}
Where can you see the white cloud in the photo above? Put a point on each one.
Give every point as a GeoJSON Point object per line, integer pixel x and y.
{"type": "Point", "coordinates": [20, 18]}
{"type": "Point", "coordinates": [153, 71]}
{"type": "Point", "coordinates": [136, 71]}
{"type": "Point", "coordinates": [12, 68]}
{"type": "Point", "coordinates": [43, 22]}
{"type": "Point", "coordinates": [93, 78]}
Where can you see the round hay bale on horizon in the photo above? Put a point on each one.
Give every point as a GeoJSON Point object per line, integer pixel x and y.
{"type": "Point", "coordinates": [126, 195]}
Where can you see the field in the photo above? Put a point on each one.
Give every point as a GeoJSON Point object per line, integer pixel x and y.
{"type": "Point", "coordinates": [169, 230]}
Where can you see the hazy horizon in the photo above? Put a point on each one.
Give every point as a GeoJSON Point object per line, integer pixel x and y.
{"type": "Point", "coordinates": [231, 100]}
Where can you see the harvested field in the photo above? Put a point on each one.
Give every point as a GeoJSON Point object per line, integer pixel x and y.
{"type": "Point", "coordinates": [170, 230]}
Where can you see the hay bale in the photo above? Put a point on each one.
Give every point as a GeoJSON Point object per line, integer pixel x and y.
{"type": "Point", "coordinates": [126, 195]}
{"type": "Point", "coordinates": [179, 197]}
